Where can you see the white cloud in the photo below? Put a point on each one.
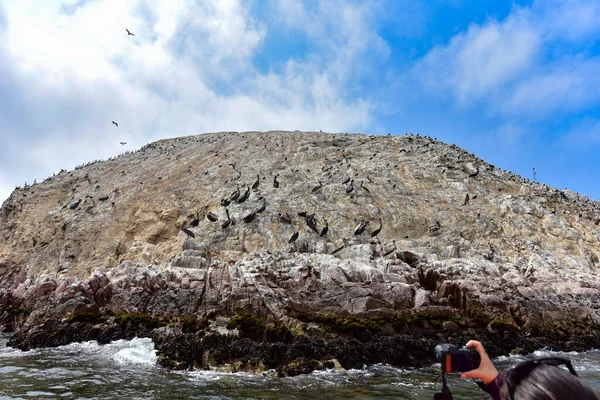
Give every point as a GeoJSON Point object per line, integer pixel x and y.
{"type": "Point", "coordinates": [345, 35]}
{"type": "Point", "coordinates": [482, 60]}
{"type": "Point", "coordinates": [565, 87]}
{"type": "Point", "coordinates": [572, 20]}
{"type": "Point", "coordinates": [516, 67]}
{"type": "Point", "coordinates": [72, 69]}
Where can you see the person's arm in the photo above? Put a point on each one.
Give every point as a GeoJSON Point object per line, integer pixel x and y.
{"type": "Point", "coordinates": [486, 371]}
{"type": "Point", "coordinates": [495, 385]}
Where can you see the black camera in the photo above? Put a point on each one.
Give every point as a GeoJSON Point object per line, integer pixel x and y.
{"type": "Point", "coordinates": [455, 359]}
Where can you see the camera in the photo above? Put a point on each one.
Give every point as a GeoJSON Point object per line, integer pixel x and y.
{"type": "Point", "coordinates": [455, 359]}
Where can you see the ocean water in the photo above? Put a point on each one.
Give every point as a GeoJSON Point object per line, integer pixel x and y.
{"type": "Point", "coordinates": [126, 369]}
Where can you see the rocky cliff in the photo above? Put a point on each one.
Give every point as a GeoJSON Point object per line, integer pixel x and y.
{"type": "Point", "coordinates": [288, 249]}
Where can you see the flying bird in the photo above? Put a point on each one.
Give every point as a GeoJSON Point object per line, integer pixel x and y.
{"type": "Point", "coordinates": [117, 125]}
{"type": "Point", "coordinates": [122, 143]}
{"type": "Point", "coordinates": [129, 33]}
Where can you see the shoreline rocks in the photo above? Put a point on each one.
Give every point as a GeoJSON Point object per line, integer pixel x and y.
{"type": "Point", "coordinates": [239, 291]}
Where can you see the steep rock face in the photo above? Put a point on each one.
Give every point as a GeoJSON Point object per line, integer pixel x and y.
{"type": "Point", "coordinates": [109, 237]}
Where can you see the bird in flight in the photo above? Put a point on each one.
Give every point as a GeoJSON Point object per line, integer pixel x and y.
{"type": "Point", "coordinates": [129, 33]}
{"type": "Point", "coordinates": [123, 143]}
{"type": "Point", "coordinates": [117, 125]}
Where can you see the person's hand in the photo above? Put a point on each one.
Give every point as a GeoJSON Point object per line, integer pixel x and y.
{"type": "Point", "coordinates": [486, 370]}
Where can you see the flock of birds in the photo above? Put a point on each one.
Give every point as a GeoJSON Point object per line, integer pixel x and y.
{"type": "Point", "coordinates": [320, 230]}
{"type": "Point", "coordinates": [309, 219]}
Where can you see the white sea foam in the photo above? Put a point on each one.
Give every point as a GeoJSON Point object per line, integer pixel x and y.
{"type": "Point", "coordinates": [90, 346]}
{"type": "Point", "coordinates": [35, 393]}
{"type": "Point", "coordinates": [209, 376]}
{"type": "Point", "coordinates": [135, 351]}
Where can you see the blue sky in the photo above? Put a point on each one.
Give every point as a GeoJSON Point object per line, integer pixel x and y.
{"type": "Point", "coordinates": [516, 83]}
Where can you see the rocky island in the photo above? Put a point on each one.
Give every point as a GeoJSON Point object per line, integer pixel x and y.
{"type": "Point", "coordinates": [298, 251]}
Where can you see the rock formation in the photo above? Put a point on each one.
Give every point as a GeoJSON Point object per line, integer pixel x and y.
{"type": "Point", "coordinates": [99, 253]}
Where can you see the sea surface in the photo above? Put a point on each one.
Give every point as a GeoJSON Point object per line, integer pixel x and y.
{"type": "Point", "coordinates": [126, 369]}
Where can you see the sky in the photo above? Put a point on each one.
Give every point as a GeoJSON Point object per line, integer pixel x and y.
{"type": "Point", "coordinates": [517, 83]}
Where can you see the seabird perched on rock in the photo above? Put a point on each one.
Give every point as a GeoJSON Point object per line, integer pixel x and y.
{"type": "Point", "coordinates": [364, 187]}
{"type": "Point", "coordinates": [225, 202]}
{"type": "Point", "coordinates": [474, 174]}
{"type": "Point", "coordinates": [360, 228]}
{"type": "Point", "coordinates": [275, 182]}
{"type": "Point", "coordinates": [117, 125]}
{"type": "Point", "coordinates": [186, 230]}
{"type": "Point", "coordinates": [235, 195]}
{"type": "Point", "coordinates": [212, 217]}
{"type": "Point", "coordinates": [245, 196]}
{"type": "Point", "coordinates": [249, 217]}
{"type": "Point", "coordinates": [311, 222]}
{"type": "Point", "coordinates": [466, 200]}
{"type": "Point", "coordinates": [376, 231]}
{"type": "Point", "coordinates": [293, 237]}
{"type": "Point", "coordinates": [344, 245]}
{"type": "Point", "coordinates": [350, 187]}
{"type": "Point", "coordinates": [346, 181]}
{"type": "Point", "coordinates": [434, 228]}
{"type": "Point", "coordinates": [388, 252]}
{"type": "Point", "coordinates": [491, 253]}
{"type": "Point", "coordinates": [285, 218]}
{"type": "Point", "coordinates": [325, 229]}
{"type": "Point", "coordinates": [196, 221]}
{"type": "Point", "coordinates": [129, 33]}
{"type": "Point", "coordinates": [228, 222]}
{"type": "Point", "coordinates": [263, 207]}
{"type": "Point", "coordinates": [256, 182]}
{"type": "Point", "coordinates": [319, 186]}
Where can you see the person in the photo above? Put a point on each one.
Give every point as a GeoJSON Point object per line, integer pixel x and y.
{"type": "Point", "coordinates": [535, 379]}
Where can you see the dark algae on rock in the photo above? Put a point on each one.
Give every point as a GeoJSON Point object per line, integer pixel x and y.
{"type": "Point", "coordinates": [399, 243]}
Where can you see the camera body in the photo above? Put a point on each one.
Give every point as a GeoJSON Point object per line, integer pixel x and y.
{"type": "Point", "coordinates": [455, 359]}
